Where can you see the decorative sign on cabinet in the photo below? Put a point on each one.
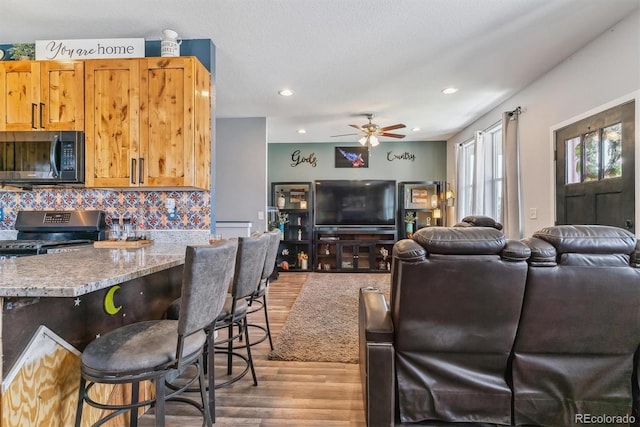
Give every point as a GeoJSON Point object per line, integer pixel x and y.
{"type": "Point", "coordinates": [53, 99]}
{"type": "Point", "coordinates": [148, 123]}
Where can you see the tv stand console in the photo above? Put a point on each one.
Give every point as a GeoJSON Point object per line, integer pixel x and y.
{"type": "Point", "coordinates": [353, 249]}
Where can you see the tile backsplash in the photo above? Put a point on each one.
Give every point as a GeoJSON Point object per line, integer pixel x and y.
{"type": "Point", "coordinates": [146, 208]}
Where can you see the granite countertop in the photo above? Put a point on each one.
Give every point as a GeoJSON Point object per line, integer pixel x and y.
{"type": "Point", "coordinates": [88, 269]}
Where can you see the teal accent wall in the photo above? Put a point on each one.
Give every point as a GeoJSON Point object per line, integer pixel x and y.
{"type": "Point", "coordinates": [397, 160]}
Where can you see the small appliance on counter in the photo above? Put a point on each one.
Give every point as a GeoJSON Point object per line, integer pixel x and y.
{"type": "Point", "coordinates": [41, 232]}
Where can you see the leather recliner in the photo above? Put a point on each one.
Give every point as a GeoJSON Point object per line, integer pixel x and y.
{"type": "Point", "coordinates": [580, 327]}
{"type": "Point", "coordinates": [446, 337]}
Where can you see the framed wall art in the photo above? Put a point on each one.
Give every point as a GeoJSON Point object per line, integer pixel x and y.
{"type": "Point", "coordinates": [352, 157]}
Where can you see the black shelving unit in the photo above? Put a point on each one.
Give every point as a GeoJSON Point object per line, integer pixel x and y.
{"type": "Point", "coordinates": [297, 232]}
{"type": "Point", "coordinates": [353, 250]}
{"type": "Point", "coordinates": [425, 199]}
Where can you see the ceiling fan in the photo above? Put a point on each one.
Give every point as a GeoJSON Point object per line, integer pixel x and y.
{"type": "Point", "coordinates": [372, 131]}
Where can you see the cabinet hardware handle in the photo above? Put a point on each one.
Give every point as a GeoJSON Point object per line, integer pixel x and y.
{"type": "Point", "coordinates": [41, 113]}
{"type": "Point", "coordinates": [141, 170]}
{"type": "Point", "coordinates": [133, 171]}
{"type": "Point", "coordinates": [33, 115]}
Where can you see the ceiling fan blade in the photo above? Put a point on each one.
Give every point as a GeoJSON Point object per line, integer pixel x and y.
{"type": "Point", "coordinates": [392, 135]}
{"type": "Point", "coordinates": [357, 127]}
{"type": "Point", "coordinates": [392, 127]}
{"type": "Point", "coordinates": [345, 134]}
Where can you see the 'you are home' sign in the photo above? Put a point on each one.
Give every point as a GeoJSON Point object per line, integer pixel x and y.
{"type": "Point", "coordinates": [89, 49]}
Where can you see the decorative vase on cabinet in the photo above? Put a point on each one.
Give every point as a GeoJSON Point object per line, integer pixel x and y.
{"type": "Point", "coordinates": [281, 200]}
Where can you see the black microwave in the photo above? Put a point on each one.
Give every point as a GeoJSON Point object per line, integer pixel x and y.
{"type": "Point", "coordinates": [41, 158]}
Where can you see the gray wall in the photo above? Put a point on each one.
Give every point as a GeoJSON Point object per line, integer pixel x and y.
{"type": "Point", "coordinates": [397, 160]}
{"type": "Point", "coordinates": [241, 171]}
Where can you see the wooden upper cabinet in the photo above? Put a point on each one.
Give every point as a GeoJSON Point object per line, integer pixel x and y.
{"type": "Point", "coordinates": [112, 134]}
{"type": "Point", "coordinates": [41, 95]}
{"type": "Point", "coordinates": [175, 115]}
{"type": "Point", "coordinates": [148, 123]}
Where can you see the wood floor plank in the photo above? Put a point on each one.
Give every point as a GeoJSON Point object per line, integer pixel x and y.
{"type": "Point", "coordinates": [301, 394]}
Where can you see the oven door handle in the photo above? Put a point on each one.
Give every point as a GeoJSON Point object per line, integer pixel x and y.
{"type": "Point", "coordinates": [55, 141]}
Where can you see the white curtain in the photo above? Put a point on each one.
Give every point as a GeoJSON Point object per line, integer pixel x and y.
{"type": "Point", "coordinates": [477, 207]}
{"type": "Point", "coordinates": [511, 186]}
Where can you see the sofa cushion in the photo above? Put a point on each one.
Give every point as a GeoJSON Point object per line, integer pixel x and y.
{"type": "Point", "coordinates": [461, 241]}
{"type": "Point", "coordinates": [595, 239]}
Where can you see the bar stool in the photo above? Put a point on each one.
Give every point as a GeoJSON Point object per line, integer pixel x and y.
{"type": "Point", "coordinates": [160, 350]}
{"type": "Point", "coordinates": [258, 300]}
{"type": "Point", "coordinates": [248, 270]}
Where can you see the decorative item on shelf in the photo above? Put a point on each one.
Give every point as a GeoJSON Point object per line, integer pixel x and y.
{"type": "Point", "coordinates": [303, 204]}
{"type": "Point", "coordinates": [385, 253]}
{"type": "Point", "coordinates": [281, 200]}
{"type": "Point", "coordinates": [327, 251]}
{"type": "Point", "coordinates": [409, 219]}
{"type": "Point", "coordinates": [428, 220]}
{"type": "Point", "coordinates": [303, 260]}
{"type": "Point", "coordinates": [283, 218]}
{"type": "Point", "coordinates": [299, 233]}
{"type": "Point", "coordinates": [450, 196]}
{"type": "Point", "coordinates": [437, 214]}
{"type": "Point", "coordinates": [23, 51]}
{"type": "Point", "coordinates": [170, 43]}
{"type": "Point", "coordinates": [434, 201]}
{"type": "Point", "coordinates": [299, 221]}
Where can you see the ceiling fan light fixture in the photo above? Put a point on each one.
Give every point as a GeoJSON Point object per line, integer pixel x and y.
{"type": "Point", "coordinates": [363, 140]}
{"type": "Point", "coordinates": [373, 140]}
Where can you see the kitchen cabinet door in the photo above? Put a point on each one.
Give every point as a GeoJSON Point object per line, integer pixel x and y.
{"type": "Point", "coordinates": [175, 115]}
{"type": "Point", "coordinates": [148, 123]}
{"type": "Point", "coordinates": [112, 136]}
{"type": "Point", "coordinates": [41, 95]}
{"type": "Point", "coordinates": [62, 95]}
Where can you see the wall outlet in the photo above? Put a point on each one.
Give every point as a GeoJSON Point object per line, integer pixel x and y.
{"type": "Point", "coordinates": [533, 213]}
{"type": "Point", "coordinates": [260, 214]}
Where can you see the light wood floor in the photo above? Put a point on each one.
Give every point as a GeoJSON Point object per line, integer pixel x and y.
{"type": "Point", "coordinates": [288, 393]}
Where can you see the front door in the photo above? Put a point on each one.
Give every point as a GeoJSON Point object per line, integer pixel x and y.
{"type": "Point", "coordinates": [595, 169]}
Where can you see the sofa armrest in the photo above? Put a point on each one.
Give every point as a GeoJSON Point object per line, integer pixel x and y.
{"type": "Point", "coordinates": [378, 326]}
{"type": "Point", "coordinates": [377, 358]}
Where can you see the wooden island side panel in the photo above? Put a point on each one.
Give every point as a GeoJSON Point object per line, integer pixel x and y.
{"type": "Point", "coordinates": [41, 342]}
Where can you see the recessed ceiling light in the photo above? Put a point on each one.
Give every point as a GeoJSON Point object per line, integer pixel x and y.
{"type": "Point", "coordinates": [449, 90]}
{"type": "Point", "coordinates": [285, 92]}
{"type": "Point", "coordinates": [415, 129]}
{"type": "Point", "coordinates": [302, 131]}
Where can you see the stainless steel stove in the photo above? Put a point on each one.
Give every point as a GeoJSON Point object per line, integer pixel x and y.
{"type": "Point", "coordinates": [41, 232]}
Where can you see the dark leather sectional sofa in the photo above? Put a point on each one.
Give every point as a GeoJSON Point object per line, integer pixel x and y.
{"type": "Point", "coordinates": [481, 329]}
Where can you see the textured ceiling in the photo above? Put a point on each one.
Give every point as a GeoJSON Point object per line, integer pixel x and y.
{"type": "Point", "coordinates": [344, 58]}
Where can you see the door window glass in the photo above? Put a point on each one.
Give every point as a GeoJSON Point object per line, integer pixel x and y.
{"type": "Point", "coordinates": [612, 151]}
{"type": "Point", "coordinates": [594, 155]}
{"type": "Point", "coordinates": [591, 156]}
{"type": "Point", "coordinates": [573, 154]}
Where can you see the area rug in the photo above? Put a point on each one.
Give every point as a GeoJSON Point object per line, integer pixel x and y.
{"type": "Point", "coordinates": [323, 322]}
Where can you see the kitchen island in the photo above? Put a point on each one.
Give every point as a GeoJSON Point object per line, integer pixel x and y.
{"type": "Point", "coordinates": [53, 305]}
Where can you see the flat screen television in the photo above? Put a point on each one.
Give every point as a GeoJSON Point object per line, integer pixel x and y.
{"type": "Point", "coordinates": [355, 203]}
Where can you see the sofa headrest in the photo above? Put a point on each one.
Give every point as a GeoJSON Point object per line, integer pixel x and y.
{"type": "Point", "coordinates": [461, 241]}
{"type": "Point", "coordinates": [479, 221]}
{"type": "Point", "coordinates": [593, 239]}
